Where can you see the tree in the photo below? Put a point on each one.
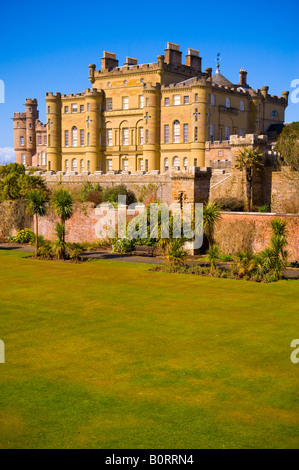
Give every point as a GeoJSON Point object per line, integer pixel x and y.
{"type": "Point", "coordinates": [249, 159]}
{"type": "Point", "coordinates": [288, 145]}
{"type": "Point", "coordinates": [37, 206]}
{"type": "Point", "coordinates": [211, 215]}
{"type": "Point", "coordinates": [213, 256]}
{"type": "Point", "coordinates": [15, 184]}
{"type": "Point", "coordinates": [62, 202]}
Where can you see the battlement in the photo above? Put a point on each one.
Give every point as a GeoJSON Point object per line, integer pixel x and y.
{"type": "Point", "coordinates": [50, 94]}
{"type": "Point", "coordinates": [248, 139]}
{"type": "Point", "coordinates": [82, 94]}
{"type": "Point", "coordinates": [19, 115]}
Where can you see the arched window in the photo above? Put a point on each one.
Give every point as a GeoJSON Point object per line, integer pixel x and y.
{"type": "Point", "coordinates": [74, 136]}
{"type": "Point", "coordinates": [176, 132]}
{"type": "Point", "coordinates": [185, 163]}
{"type": "Point", "coordinates": [74, 164]}
{"type": "Point", "coordinates": [166, 164]}
{"type": "Point", "coordinates": [125, 165]}
{"type": "Point", "coordinates": [212, 133]}
{"type": "Point", "coordinates": [66, 166]}
{"type": "Point", "coordinates": [82, 166]}
{"type": "Point", "coordinates": [43, 158]}
{"type": "Point", "coordinates": [226, 132]}
{"type": "Point", "coordinates": [176, 162]}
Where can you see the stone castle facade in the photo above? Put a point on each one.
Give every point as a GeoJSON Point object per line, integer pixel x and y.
{"type": "Point", "coordinates": [141, 118]}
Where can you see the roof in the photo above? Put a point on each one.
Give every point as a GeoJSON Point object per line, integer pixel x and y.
{"type": "Point", "coordinates": [219, 79]}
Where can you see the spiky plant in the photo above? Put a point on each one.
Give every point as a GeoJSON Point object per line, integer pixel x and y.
{"type": "Point", "coordinates": [62, 202]}
{"type": "Point", "coordinates": [211, 215]}
{"type": "Point", "coordinates": [213, 256]}
{"type": "Point", "coordinates": [37, 206]}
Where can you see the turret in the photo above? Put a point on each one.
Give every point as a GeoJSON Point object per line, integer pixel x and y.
{"type": "Point", "coordinates": [264, 91]}
{"type": "Point", "coordinates": [151, 110]}
{"type": "Point", "coordinates": [53, 103]}
{"type": "Point", "coordinates": [285, 95]}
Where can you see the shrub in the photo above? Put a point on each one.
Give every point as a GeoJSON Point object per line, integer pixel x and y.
{"type": "Point", "coordinates": [111, 194]}
{"type": "Point", "coordinates": [91, 193]}
{"type": "Point", "coordinates": [24, 236]}
{"type": "Point", "coordinates": [264, 208]}
{"type": "Point", "coordinates": [122, 245]}
{"type": "Point", "coordinates": [230, 203]}
{"type": "Point", "coordinates": [176, 253]}
{"type": "Point", "coordinates": [235, 236]}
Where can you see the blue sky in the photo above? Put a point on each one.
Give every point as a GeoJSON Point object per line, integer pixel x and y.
{"type": "Point", "coordinates": [47, 46]}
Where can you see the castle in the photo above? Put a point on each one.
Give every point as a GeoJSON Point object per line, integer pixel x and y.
{"type": "Point", "coordinates": [140, 118]}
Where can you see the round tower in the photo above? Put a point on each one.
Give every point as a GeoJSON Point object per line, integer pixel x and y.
{"type": "Point", "coordinates": [53, 103]}
{"type": "Point", "coordinates": [151, 147]}
{"type": "Point", "coordinates": [21, 153]}
{"type": "Point", "coordinates": [199, 116]}
{"type": "Point", "coordinates": [94, 153]}
{"type": "Point", "coordinates": [31, 117]}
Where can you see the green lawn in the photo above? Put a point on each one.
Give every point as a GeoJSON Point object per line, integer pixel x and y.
{"type": "Point", "coordinates": [109, 355]}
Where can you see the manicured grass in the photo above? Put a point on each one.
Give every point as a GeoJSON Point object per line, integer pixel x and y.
{"type": "Point", "coordinates": [109, 355]}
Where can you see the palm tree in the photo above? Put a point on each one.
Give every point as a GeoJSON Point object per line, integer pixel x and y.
{"type": "Point", "coordinates": [176, 254]}
{"type": "Point", "coordinates": [211, 215]}
{"type": "Point", "coordinates": [248, 160]}
{"type": "Point", "coordinates": [37, 206]}
{"type": "Point", "coordinates": [62, 202]}
{"type": "Point", "coordinates": [213, 256]}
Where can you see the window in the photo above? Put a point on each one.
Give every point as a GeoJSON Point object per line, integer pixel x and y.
{"type": "Point", "coordinates": [241, 133]}
{"type": "Point", "coordinates": [125, 82]}
{"type": "Point", "coordinates": [146, 166]}
{"type": "Point", "coordinates": [43, 158]}
{"type": "Point", "coordinates": [74, 164]}
{"type": "Point", "coordinates": [227, 102]}
{"type": "Point", "coordinates": [176, 162]}
{"type": "Point", "coordinates": [109, 137]}
{"type": "Point", "coordinates": [195, 134]}
{"type": "Point", "coordinates": [66, 166]}
{"type": "Point", "coordinates": [66, 109]}
{"type": "Point", "coordinates": [45, 140]}
{"type": "Point", "coordinates": [125, 135]}
{"type": "Point", "coordinates": [274, 113]}
{"type": "Point", "coordinates": [140, 164]}
{"type": "Point", "coordinates": [81, 108]}
{"type": "Point", "coordinates": [186, 132]}
{"type": "Point", "coordinates": [226, 133]}
{"type": "Point", "coordinates": [176, 100]}
{"type": "Point", "coordinates": [30, 110]}
{"type": "Point", "coordinates": [66, 138]}
{"type": "Point", "coordinates": [147, 101]}
{"type": "Point", "coordinates": [141, 101]}
{"type": "Point", "coordinates": [88, 138]}
{"type": "Point", "coordinates": [166, 102]}
{"type": "Point", "coordinates": [109, 104]}
{"type": "Point", "coordinates": [30, 139]}
{"type": "Point", "coordinates": [74, 136]}
{"type": "Point", "coordinates": [166, 164]}
{"type": "Point", "coordinates": [30, 125]}
{"type": "Point", "coordinates": [82, 166]}
{"type": "Point", "coordinates": [49, 166]}
{"type": "Point", "coordinates": [125, 165]}
{"type": "Point", "coordinates": [142, 80]}
{"type": "Point", "coordinates": [82, 137]}
{"type": "Point", "coordinates": [140, 135]}
{"type": "Point", "coordinates": [23, 159]}
{"type": "Point", "coordinates": [49, 141]}
{"type": "Point", "coordinates": [109, 165]}
{"type": "Point", "coordinates": [196, 97]}
{"type": "Point", "coordinates": [18, 125]}
{"type": "Point", "coordinates": [22, 141]}
{"type": "Point", "coordinates": [38, 158]}
{"type": "Point", "coordinates": [185, 163]}
{"type": "Point", "coordinates": [213, 100]}
{"type": "Point", "coordinates": [100, 138]}
{"type": "Point", "coordinates": [49, 109]}
{"type": "Point", "coordinates": [39, 140]}
{"type": "Point", "coordinates": [166, 134]}
{"type": "Point", "coordinates": [176, 132]}
{"type": "Point", "coordinates": [186, 99]}
{"type": "Point", "coordinates": [242, 105]}
{"type": "Point", "coordinates": [212, 132]}
{"type": "Point", "coordinates": [88, 106]}
{"type": "Point", "coordinates": [125, 102]}
{"type": "Point", "coordinates": [74, 108]}
{"type": "Point", "coordinates": [108, 84]}
{"type": "Point", "coordinates": [88, 165]}
{"type": "Point", "coordinates": [146, 137]}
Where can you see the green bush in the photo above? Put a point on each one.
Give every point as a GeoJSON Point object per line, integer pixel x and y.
{"type": "Point", "coordinates": [230, 203]}
{"type": "Point", "coordinates": [24, 236]}
{"type": "Point", "coordinates": [122, 245]}
{"type": "Point", "coordinates": [111, 194]}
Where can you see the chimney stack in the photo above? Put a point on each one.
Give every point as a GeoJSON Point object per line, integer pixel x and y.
{"type": "Point", "coordinates": [193, 60]}
{"type": "Point", "coordinates": [173, 56]}
{"type": "Point", "coordinates": [108, 62]}
{"type": "Point", "coordinates": [243, 78]}
{"type": "Point", "coordinates": [130, 61]}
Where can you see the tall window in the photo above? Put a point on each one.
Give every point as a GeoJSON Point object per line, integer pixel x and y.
{"type": "Point", "coordinates": [125, 135]}
{"type": "Point", "coordinates": [186, 99]}
{"type": "Point", "coordinates": [212, 132]}
{"type": "Point", "coordinates": [82, 166]}
{"type": "Point", "coordinates": [74, 164]}
{"type": "Point", "coordinates": [166, 134]}
{"type": "Point", "coordinates": [146, 166]}
{"type": "Point", "coordinates": [81, 108]}
{"type": "Point", "coordinates": [213, 100]}
{"type": "Point", "coordinates": [22, 141]}
{"type": "Point", "coordinates": [49, 109]}
{"type": "Point", "coordinates": [39, 140]}
{"type": "Point", "coordinates": [66, 109]}
{"type": "Point", "coordinates": [147, 101]}
{"type": "Point", "coordinates": [195, 161]}
{"type": "Point", "coordinates": [186, 132]}
{"type": "Point", "coordinates": [176, 100]}
{"type": "Point", "coordinates": [23, 159]}
{"type": "Point", "coordinates": [227, 102]}
{"type": "Point", "coordinates": [125, 102]}
{"type": "Point", "coordinates": [74, 108]}
{"type": "Point", "coordinates": [88, 138]}
{"type": "Point", "coordinates": [45, 140]}
{"type": "Point", "coordinates": [140, 135]}
{"type": "Point", "coordinates": [196, 97]}
{"type": "Point", "coordinates": [66, 138]}
{"type": "Point", "coordinates": [38, 159]}
{"type": "Point", "coordinates": [74, 136]}
{"type": "Point", "coordinates": [43, 158]}
{"type": "Point", "coordinates": [176, 162]}
{"type": "Point", "coordinates": [82, 137]}
{"type": "Point", "coordinates": [226, 133]}
{"type": "Point", "coordinates": [108, 104]}
{"type": "Point", "coordinates": [195, 134]}
{"type": "Point", "coordinates": [109, 165]}
{"type": "Point", "coordinates": [242, 105]}
{"type": "Point", "coordinates": [140, 164]}
{"type": "Point", "coordinates": [176, 132]}
{"type": "Point", "coordinates": [166, 102]}
{"type": "Point", "coordinates": [166, 164]}
{"type": "Point", "coordinates": [146, 137]}
{"type": "Point", "coordinates": [88, 165]}
{"type": "Point", "coordinates": [241, 132]}
{"type": "Point", "coordinates": [185, 163]}
{"type": "Point", "coordinates": [66, 166]}
{"type": "Point", "coordinates": [141, 101]}
{"type": "Point", "coordinates": [109, 137]}
{"type": "Point", "coordinates": [125, 165]}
